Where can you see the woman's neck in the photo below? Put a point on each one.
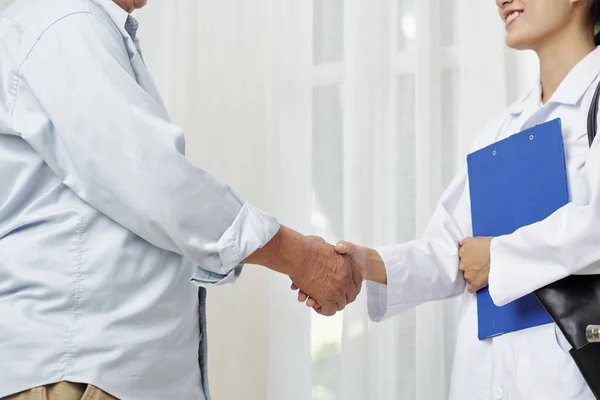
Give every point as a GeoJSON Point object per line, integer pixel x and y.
{"type": "Point", "coordinates": [559, 56]}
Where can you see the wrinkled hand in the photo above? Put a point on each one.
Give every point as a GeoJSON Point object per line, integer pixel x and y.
{"type": "Point", "coordinates": [327, 277]}
{"type": "Point", "coordinates": [358, 261]}
{"type": "Point", "coordinates": [474, 261]}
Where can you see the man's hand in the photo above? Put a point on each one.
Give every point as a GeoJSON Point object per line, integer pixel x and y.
{"type": "Point", "coordinates": [327, 277]}
{"type": "Point", "coordinates": [474, 261]}
{"type": "Point", "coordinates": [360, 258]}
{"type": "Point", "coordinates": [314, 266]}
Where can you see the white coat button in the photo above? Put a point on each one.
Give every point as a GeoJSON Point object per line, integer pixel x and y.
{"type": "Point", "coordinates": [498, 394]}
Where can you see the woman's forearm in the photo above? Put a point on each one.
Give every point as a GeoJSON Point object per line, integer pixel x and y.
{"type": "Point", "coordinates": [375, 270]}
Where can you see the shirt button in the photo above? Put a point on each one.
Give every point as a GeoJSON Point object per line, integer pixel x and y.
{"type": "Point", "coordinates": [498, 394]}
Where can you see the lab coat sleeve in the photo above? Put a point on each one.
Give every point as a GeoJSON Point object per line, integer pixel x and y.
{"type": "Point", "coordinates": [565, 243]}
{"type": "Point", "coordinates": [427, 268]}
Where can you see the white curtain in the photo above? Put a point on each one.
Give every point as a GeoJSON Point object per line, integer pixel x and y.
{"type": "Point", "coordinates": [343, 118]}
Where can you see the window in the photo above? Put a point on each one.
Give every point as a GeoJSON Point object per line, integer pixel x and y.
{"type": "Point", "coordinates": [328, 31]}
{"type": "Point", "coordinates": [406, 26]}
{"type": "Point", "coordinates": [328, 178]}
{"type": "Point", "coordinates": [404, 111]}
{"type": "Point", "coordinates": [424, 72]}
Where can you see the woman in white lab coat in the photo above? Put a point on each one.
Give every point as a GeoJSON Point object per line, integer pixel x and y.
{"type": "Point", "coordinates": [533, 363]}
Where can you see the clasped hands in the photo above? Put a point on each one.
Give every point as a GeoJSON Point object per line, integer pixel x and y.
{"type": "Point", "coordinates": [329, 290]}
{"type": "Point", "coordinates": [338, 280]}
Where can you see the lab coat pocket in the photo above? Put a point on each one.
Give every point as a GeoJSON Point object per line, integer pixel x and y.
{"type": "Point", "coordinates": [561, 340]}
{"type": "Point", "coordinates": [545, 369]}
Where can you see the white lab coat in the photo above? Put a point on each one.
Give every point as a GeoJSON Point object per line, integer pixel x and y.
{"type": "Point", "coordinates": [534, 363]}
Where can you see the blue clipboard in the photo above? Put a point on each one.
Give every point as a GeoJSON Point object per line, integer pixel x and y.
{"type": "Point", "coordinates": [513, 183]}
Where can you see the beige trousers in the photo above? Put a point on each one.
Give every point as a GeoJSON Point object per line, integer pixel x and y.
{"type": "Point", "coordinates": [62, 391]}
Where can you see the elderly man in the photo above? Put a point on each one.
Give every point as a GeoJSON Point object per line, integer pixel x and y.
{"type": "Point", "coordinates": [103, 221]}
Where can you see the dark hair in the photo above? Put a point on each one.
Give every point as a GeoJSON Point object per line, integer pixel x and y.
{"type": "Point", "coordinates": [595, 14]}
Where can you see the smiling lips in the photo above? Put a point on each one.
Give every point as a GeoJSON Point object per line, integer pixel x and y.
{"type": "Point", "coordinates": [511, 16]}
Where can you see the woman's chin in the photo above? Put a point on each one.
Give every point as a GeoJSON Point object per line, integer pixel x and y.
{"type": "Point", "coordinates": [518, 43]}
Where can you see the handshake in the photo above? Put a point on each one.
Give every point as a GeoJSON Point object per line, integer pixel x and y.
{"type": "Point", "coordinates": [327, 277]}
{"type": "Point", "coordinates": [338, 277]}
{"type": "Point", "coordinates": [330, 277]}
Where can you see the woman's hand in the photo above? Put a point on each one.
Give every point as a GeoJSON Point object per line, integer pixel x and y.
{"type": "Point", "coordinates": [474, 261]}
{"type": "Point", "coordinates": [366, 261]}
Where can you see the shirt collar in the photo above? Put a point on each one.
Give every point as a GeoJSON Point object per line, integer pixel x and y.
{"type": "Point", "coordinates": [570, 90]}
{"type": "Point", "coordinates": [121, 18]}
{"type": "Point", "coordinates": [531, 99]}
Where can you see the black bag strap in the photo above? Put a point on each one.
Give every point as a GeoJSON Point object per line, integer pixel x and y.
{"type": "Point", "coordinates": [592, 123]}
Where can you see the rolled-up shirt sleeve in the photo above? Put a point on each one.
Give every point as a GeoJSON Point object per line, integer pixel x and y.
{"type": "Point", "coordinates": [114, 145]}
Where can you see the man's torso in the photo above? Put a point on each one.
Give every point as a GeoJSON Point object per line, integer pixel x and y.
{"type": "Point", "coordinates": [82, 298]}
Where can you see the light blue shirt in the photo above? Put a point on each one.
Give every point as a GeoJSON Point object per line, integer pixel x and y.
{"type": "Point", "coordinates": [103, 221]}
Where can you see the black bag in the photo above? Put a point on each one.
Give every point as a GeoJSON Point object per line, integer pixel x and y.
{"type": "Point", "coordinates": [574, 302]}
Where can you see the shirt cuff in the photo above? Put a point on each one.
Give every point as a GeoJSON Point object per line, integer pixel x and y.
{"type": "Point", "coordinates": [514, 272]}
{"type": "Point", "coordinates": [384, 301]}
{"type": "Point", "coordinates": [499, 281]}
{"type": "Point", "coordinates": [376, 300]}
{"type": "Point", "coordinates": [251, 230]}
{"type": "Point", "coordinates": [207, 279]}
